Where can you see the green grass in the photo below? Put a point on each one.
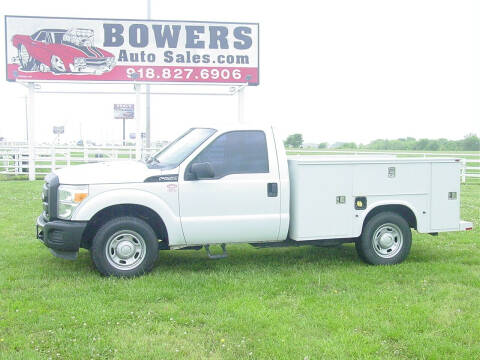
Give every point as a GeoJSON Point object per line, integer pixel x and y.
{"type": "Point", "coordinates": [292, 303]}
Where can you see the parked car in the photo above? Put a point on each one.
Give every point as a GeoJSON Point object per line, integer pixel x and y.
{"type": "Point", "coordinates": [62, 51]}
{"type": "Point", "coordinates": [217, 187]}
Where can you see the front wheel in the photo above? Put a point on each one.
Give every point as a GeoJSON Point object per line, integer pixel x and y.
{"type": "Point", "coordinates": [27, 62]}
{"type": "Point", "coordinates": [386, 239]}
{"type": "Point", "coordinates": [125, 246]}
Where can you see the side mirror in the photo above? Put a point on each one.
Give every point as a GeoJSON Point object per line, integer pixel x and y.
{"type": "Point", "coordinates": [202, 171]}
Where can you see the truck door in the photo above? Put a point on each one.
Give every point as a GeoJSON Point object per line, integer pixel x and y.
{"type": "Point", "coordinates": [241, 202]}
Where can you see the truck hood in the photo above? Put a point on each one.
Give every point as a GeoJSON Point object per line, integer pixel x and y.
{"type": "Point", "coordinates": [114, 172]}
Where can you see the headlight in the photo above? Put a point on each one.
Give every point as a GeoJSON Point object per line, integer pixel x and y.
{"type": "Point", "coordinates": [79, 61]}
{"type": "Point", "coordinates": [69, 197]}
{"type": "Point", "coordinates": [110, 61]}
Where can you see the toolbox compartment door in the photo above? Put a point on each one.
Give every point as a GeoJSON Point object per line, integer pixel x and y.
{"type": "Point", "coordinates": [315, 211]}
{"type": "Point", "coordinates": [445, 197]}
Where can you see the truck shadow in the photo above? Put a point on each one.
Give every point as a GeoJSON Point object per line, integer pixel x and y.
{"type": "Point", "coordinates": [245, 257]}
{"type": "Point", "coordinates": [241, 259]}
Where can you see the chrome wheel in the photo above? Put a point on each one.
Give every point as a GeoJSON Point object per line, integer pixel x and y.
{"type": "Point", "coordinates": [57, 64]}
{"type": "Point", "coordinates": [125, 250]}
{"type": "Point", "coordinates": [387, 240]}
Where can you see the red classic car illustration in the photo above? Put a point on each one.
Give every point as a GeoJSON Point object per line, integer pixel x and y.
{"type": "Point", "coordinates": [62, 51]}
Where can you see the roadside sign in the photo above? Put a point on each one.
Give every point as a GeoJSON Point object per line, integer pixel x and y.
{"type": "Point", "coordinates": [105, 50]}
{"type": "Point", "coordinates": [57, 130]}
{"type": "Point", "coordinates": [123, 111]}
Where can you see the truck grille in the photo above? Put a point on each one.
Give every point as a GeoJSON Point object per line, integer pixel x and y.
{"type": "Point", "coordinates": [49, 196]}
{"type": "Point", "coordinates": [96, 62]}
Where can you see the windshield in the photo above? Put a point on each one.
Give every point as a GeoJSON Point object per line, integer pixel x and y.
{"type": "Point", "coordinates": [181, 148]}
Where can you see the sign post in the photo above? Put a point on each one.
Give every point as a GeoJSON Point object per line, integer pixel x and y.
{"type": "Point", "coordinates": [124, 111]}
{"type": "Point", "coordinates": [58, 130]}
{"type": "Point", "coordinates": [123, 136]}
{"type": "Point", "coordinates": [147, 91]}
{"type": "Point", "coordinates": [31, 132]}
{"type": "Point", "coordinates": [138, 140]}
{"type": "Point", "coordinates": [241, 104]}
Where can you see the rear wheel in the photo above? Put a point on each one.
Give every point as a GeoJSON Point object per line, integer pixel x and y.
{"type": "Point", "coordinates": [386, 239]}
{"type": "Point", "coordinates": [27, 62]}
{"type": "Point", "coordinates": [125, 246]}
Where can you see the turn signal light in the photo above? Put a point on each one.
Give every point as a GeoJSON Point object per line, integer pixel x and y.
{"type": "Point", "coordinates": [79, 197]}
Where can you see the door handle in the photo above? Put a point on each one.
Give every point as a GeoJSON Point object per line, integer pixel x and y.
{"type": "Point", "coordinates": [272, 189]}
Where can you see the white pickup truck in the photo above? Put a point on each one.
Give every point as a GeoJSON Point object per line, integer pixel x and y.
{"type": "Point", "coordinates": [223, 186]}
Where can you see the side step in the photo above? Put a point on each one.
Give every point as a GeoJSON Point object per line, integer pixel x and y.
{"type": "Point", "coordinates": [218, 256]}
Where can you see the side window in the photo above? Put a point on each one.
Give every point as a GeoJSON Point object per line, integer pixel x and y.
{"type": "Point", "coordinates": [48, 38]}
{"type": "Point", "coordinates": [236, 152]}
{"type": "Point", "coordinates": [41, 36]}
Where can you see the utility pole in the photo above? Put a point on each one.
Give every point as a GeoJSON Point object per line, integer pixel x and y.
{"type": "Point", "coordinates": [147, 93]}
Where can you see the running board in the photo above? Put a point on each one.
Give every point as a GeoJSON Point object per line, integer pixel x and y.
{"type": "Point", "coordinates": [290, 242]}
{"type": "Point", "coordinates": [218, 256]}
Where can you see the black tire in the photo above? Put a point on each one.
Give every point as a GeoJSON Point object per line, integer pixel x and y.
{"type": "Point", "coordinates": [386, 239]}
{"type": "Point", "coordinates": [129, 233]}
{"type": "Point", "coordinates": [28, 64]}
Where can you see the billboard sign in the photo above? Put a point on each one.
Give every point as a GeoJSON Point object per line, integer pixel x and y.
{"type": "Point", "coordinates": [123, 111]}
{"type": "Point", "coordinates": [163, 51]}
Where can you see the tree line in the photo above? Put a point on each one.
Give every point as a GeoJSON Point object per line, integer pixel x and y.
{"type": "Point", "coordinates": [470, 142]}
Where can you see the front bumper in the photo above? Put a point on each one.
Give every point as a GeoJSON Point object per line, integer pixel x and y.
{"type": "Point", "coordinates": [62, 237]}
{"type": "Point", "coordinates": [97, 69]}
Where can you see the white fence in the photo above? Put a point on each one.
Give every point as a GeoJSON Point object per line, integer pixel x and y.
{"type": "Point", "coordinates": [14, 159]}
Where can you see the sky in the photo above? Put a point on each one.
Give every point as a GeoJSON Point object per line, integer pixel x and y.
{"type": "Point", "coordinates": [343, 70]}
